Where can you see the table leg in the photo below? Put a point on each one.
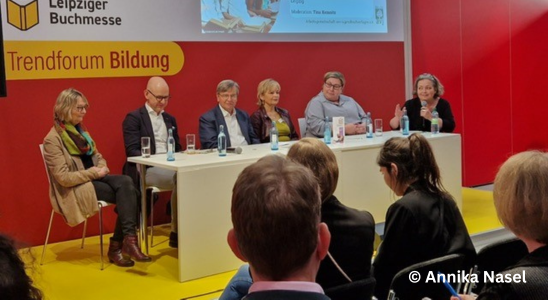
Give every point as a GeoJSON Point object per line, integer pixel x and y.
{"type": "Point", "coordinates": [143, 223]}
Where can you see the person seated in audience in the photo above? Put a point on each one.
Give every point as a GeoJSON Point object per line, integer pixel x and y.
{"type": "Point", "coordinates": [79, 176]}
{"type": "Point", "coordinates": [236, 123]}
{"type": "Point", "coordinates": [268, 95]}
{"type": "Point", "coordinates": [520, 195]}
{"type": "Point", "coordinates": [277, 229]}
{"type": "Point", "coordinates": [151, 120]}
{"type": "Point", "coordinates": [330, 102]}
{"type": "Point", "coordinates": [352, 231]}
{"type": "Point", "coordinates": [427, 90]}
{"type": "Point", "coordinates": [15, 283]}
{"type": "Point", "coordinates": [426, 222]}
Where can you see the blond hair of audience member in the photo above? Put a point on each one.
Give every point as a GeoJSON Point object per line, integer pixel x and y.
{"type": "Point", "coordinates": [520, 195]}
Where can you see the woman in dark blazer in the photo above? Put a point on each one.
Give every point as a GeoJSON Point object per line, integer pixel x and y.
{"type": "Point", "coordinates": [426, 222]}
{"type": "Point", "coordinates": [268, 96]}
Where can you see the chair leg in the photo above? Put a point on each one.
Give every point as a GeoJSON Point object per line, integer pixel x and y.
{"type": "Point", "coordinates": [84, 233]}
{"type": "Point", "coordinates": [101, 233]}
{"type": "Point", "coordinates": [47, 237]}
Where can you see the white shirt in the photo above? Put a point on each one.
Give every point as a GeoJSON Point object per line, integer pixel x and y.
{"type": "Point", "coordinates": [234, 130]}
{"type": "Point", "coordinates": [159, 128]}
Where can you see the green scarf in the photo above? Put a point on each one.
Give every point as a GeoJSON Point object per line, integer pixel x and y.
{"type": "Point", "coordinates": [76, 138]}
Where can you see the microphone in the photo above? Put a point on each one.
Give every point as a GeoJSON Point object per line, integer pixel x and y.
{"type": "Point", "coordinates": [423, 104]}
{"type": "Point", "coordinates": [237, 150]}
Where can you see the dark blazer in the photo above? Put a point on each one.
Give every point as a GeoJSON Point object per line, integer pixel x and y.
{"type": "Point", "coordinates": [419, 227]}
{"type": "Point", "coordinates": [352, 239]}
{"type": "Point", "coordinates": [209, 128]}
{"type": "Point", "coordinates": [535, 267]}
{"type": "Point", "coordinates": [285, 294]}
{"type": "Point", "coordinates": [262, 123]}
{"type": "Point", "coordinates": [136, 125]}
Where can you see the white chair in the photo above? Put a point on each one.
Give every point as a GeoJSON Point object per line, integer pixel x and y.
{"type": "Point", "coordinates": [302, 126]}
{"type": "Point", "coordinates": [101, 203]}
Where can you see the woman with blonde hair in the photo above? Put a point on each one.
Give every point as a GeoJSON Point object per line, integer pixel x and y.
{"type": "Point", "coordinates": [268, 96]}
{"type": "Point", "coordinates": [520, 194]}
{"type": "Point", "coordinates": [79, 176]}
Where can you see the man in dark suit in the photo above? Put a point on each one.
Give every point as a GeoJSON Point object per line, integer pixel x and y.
{"type": "Point", "coordinates": [277, 229]}
{"type": "Point", "coordinates": [151, 121]}
{"type": "Point", "coordinates": [236, 124]}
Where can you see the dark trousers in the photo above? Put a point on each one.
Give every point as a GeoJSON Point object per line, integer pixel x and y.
{"type": "Point", "coordinates": [120, 190]}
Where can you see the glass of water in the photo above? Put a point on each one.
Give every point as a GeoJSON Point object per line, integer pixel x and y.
{"type": "Point", "coordinates": [378, 127]}
{"type": "Point", "coordinates": [145, 146]}
{"type": "Point", "coordinates": [190, 143]}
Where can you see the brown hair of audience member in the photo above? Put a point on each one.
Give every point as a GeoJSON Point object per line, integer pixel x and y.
{"type": "Point", "coordinates": [15, 284]}
{"type": "Point", "coordinates": [414, 163]}
{"type": "Point", "coordinates": [521, 195]}
{"type": "Point", "coordinates": [276, 216]}
{"type": "Point", "coordinates": [66, 101]}
{"type": "Point", "coordinates": [264, 87]}
{"type": "Point", "coordinates": [316, 155]}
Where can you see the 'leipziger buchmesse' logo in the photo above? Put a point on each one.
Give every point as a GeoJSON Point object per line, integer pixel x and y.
{"type": "Point", "coordinates": [22, 15]}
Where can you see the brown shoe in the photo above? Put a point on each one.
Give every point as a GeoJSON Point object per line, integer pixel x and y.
{"type": "Point", "coordinates": [115, 255]}
{"type": "Point", "coordinates": [130, 248]}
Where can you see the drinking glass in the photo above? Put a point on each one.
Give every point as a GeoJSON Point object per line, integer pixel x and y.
{"type": "Point", "coordinates": [145, 146]}
{"type": "Point", "coordinates": [190, 143]}
{"type": "Point", "coordinates": [378, 127]}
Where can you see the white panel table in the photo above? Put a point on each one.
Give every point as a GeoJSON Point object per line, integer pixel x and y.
{"type": "Point", "coordinates": [205, 181]}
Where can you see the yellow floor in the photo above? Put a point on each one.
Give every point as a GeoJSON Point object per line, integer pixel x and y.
{"type": "Point", "coordinates": [71, 273]}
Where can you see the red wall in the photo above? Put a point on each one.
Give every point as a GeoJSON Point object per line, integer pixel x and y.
{"type": "Point", "coordinates": [374, 73]}
{"type": "Point", "coordinates": [491, 57]}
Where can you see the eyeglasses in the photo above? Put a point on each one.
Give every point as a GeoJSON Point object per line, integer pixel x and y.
{"type": "Point", "coordinates": [332, 86]}
{"type": "Point", "coordinates": [160, 98]}
{"type": "Point", "coordinates": [226, 96]}
{"type": "Point", "coordinates": [81, 108]}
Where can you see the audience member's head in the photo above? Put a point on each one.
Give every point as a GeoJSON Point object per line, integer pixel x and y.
{"type": "Point", "coordinates": [521, 195]}
{"type": "Point", "coordinates": [157, 94]}
{"type": "Point", "coordinates": [276, 218]}
{"type": "Point", "coordinates": [406, 161]}
{"type": "Point", "coordinates": [227, 94]}
{"type": "Point", "coordinates": [15, 284]}
{"type": "Point", "coordinates": [316, 155]}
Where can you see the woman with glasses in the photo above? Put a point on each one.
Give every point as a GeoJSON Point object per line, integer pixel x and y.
{"type": "Point", "coordinates": [80, 176]}
{"type": "Point", "coordinates": [427, 91]}
{"type": "Point", "coordinates": [268, 95]}
{"type": "Point", "coordinates": [330, 102]}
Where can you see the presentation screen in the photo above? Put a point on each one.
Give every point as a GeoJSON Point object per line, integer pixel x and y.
{"type": "Point", "coordinates": [294, 16]}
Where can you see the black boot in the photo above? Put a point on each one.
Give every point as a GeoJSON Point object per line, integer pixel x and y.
{"type": "Point", "coordinates": [115, 255]}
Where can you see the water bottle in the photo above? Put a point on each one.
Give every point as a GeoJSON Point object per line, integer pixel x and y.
{"type": "Point", "coordinates": [170, 145]}
{"type": "Point", "coordinates": [221, 141]}
{"type": "Point", "coordinates": [368, 126]}
{"type": "Point", "coordinates": [327, 131]}
{"type": "Point", "coordinates": [404, 124]}
{"type": "Point", "coordinates": [435, 127]}
{"type": "Point", "coordinates": [274, 137]}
